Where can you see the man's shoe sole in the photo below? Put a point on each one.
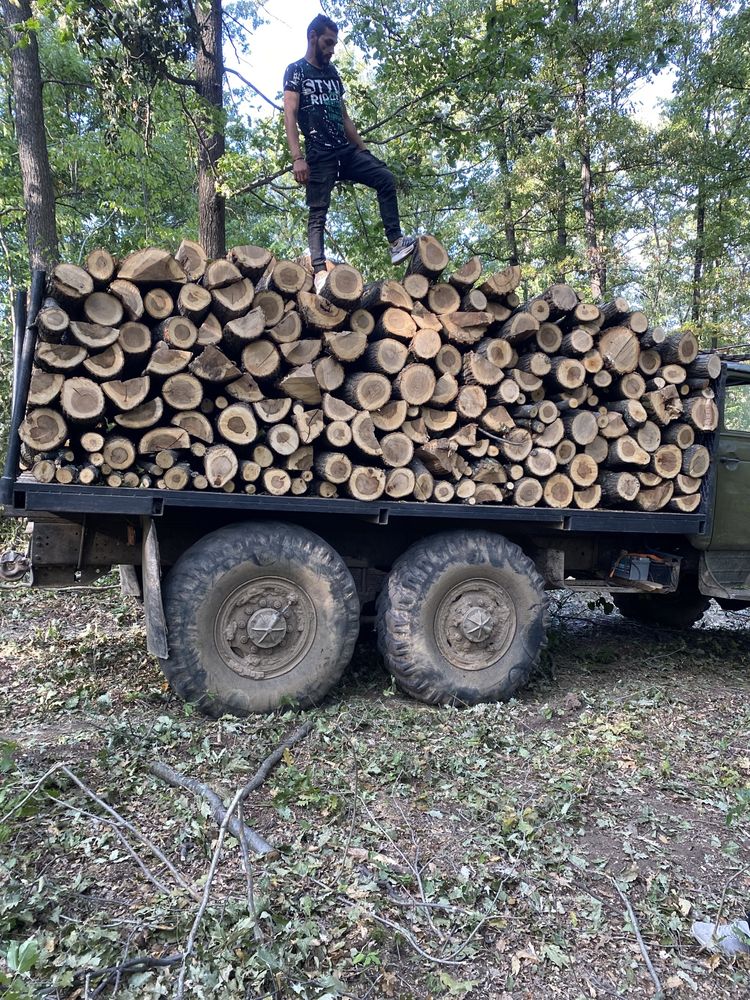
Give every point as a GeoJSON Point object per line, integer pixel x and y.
{"type": "Point", "coordinates": [402, 254]}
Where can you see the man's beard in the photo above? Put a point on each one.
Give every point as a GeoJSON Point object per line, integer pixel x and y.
{"type": "Point", "coordinates": [324, 57]}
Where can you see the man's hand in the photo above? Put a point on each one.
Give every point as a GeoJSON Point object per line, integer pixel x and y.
{"type": "Point", "coordinates": [301, 171]}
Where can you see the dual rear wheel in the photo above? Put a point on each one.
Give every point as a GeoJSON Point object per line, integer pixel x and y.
{"type": "Point", "coordinates": [263, 615]}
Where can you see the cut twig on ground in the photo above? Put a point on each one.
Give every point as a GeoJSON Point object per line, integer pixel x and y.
{"type": "Point", "coordinates": [639, 937]}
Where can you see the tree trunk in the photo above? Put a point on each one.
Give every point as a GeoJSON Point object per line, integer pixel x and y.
{"type": "Point", "coordinates": [209, 73]}
{"type": "Point", "coordinates": [38, 192]}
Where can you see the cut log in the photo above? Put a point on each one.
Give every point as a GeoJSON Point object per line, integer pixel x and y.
{"type": "Point", "coordinates": [705, 366]}
{"type": "Point", "coordinates": [43, 429]}
{"type": "Point", "coordinates": [593, 362]}
{"type": "Point", "coordinates": [52, 322]}
{"type": "Point", "coordinates": [536, 363]}
{"type": "Point", "coordinates": [346, 345]}
{"type": "Point", "coordinates": [237, 425]}
{"type": "Point", "coordinates": [251, 261]}
{"type": "Point", "coordinates": [576, 343]}
{"type": "Point", "coordinates": [192, 257]}
{"type": "Point", "coordinates": [81, 400]}
{"type": "Point", "coordinates": [701, 413]}
{"type": "Point", "coordinates": [130, 297]}
{"type": "Point", "coordinates": [680, 434]}
{"type": "Point", "coordinates": [444, 492]}
{"type": "Point", "coordinates": [583, 470]}
{"type": "Point", "coordinates": [389, 417]}
{"type": "Point", "coordinates": [101, 266]}
{"type": "Point", "coordinates": [424, 484]}
{"type": "Point", "coordinates": [415, 384]}
{"type": "Point", "coordinates": [220, 274]}
{"type": "Point", "coordinates": [508, 391]}
{"type": "Point", "coordinates": [126, 395]}
{"type": "Point", "coordinates": [663, 405]}
{"type": "Point", "coordinates": [448, 360]}
{"type": "Point", "coordinates": [273, 411]}
{"type": "Point", "coordinates": [446, 390]}
{"type": "Point", "coordinates": [649, 362]}
{"type": "Point", "coordinates": [220, 465]}
{"type": "Point", "coordinates": [685, 504]}
{"type": "Point", "coordinates": [70, 284]}
{"type": "Point", "coordinates": [287, 329]}
{"type": "Point", "coordinates": [625, 451]}
{"type": "Point", "coordinates": [501, 283]}
{"type": "Point", "coordinates": [44, 388]}
{"type": "Point", "coordinates": [318, 313]}
{"type": "Point", "coordinates": [301, 384]}
{"type": "Point", "coordinates": [687, 484]}
{"type": "Point", "coordinates": [516, 444]}
{"type": "Point", "coordinates": [399, 483]}
{"type": "Point", "coordinates": [443, 298]}
{"type": "Point", "coordinates": [261, 359]}
{"type": "Point", "coordinates": [337, 409]}
{"type": "Point", "coordinates": [182, 392]}
{"type": "Point", "coordinates": [397, 449]}
{"type": "Point", "coordinates": [163, 439]}
{"type": "Point", "coordinates": [588, 499]}
{"type": "Point", "coordinates": [558, 491]}
{"type": "Point", "coordinates": [425, 344]}
{"type": "Point", "coordinates": [379, 295]}
{"type": "Point", "coordinates": [106, 364]}
{"type": "Point", "coordinates": [232, 301]}
{"type": "Point", "coordinates": [387, 356]}
{"type": "Point", "coordinates": [428, 258]}
{"type": "Point", "coordinates": [196, 424]}
{"type": "Point", "coordinates": [362, 321]}
{"type": "Point", "coordinates": [141, 417]}
{"type": "Point", "coordinates": [680, 348]}
{"type": "Point", "coordinates": [648, 436]}
{"type": "Point", "coordinates": [425, 319]}
{"type": "Point", "coordinates": [329, 374]}
{"type": "Point", "coordinates": [367, 390]}
{"type": "Point", "coordinates": [416, 285]}
{"type": "Point", "coordinates": [695, 461]}
{"type": "Point", "coordinates": [212, 365]}
{"type": "Point", "coordinates": [301, 460]}
{"type": "Point", "coordinates": [636, 321]}
{"type": "Point", "coordinates": [527, 492]}
{"type": "Point", "coordinates": [551, 435]}
{"type": "Point", "coordinates": [366, 483]}
{"type": "Point", "coordinates": [282, 439]}
{"type": "Point", "coordinates": [631, 410]}
{"type": "Point", "coordinates": [343, 286]}
{"type": "Point", "coordinates": [618, 487]}
{"type": "Point", "coordinates": [193, 302]}
{"type": "Point", "coordinates": [178, 332]}
{"type": "Point", "coordinates": [309, 423]}
{"type": "Point", "coordinates": [119, 452]}
{"type": "Point", "coordinates": [152, 267]}
{"type": "Point", "coordinates": [302, 352]}
{"type": "Point", "coordinates": [565, 452]}
{"type": "Point", "coordinates": [333, 467]}
{"type": "Point", "coordinates": [272, 305]}
{"type": "Point", "coordinates": [598, 449]}
{"type": "Point", "coordinates": [519, 328]}
{"type": "Point", "coordinates": [165, 361]}
{"type": "Point", "coordinates": [471, 401]}
{"type": "Point", "coordinates": [158, 303]}
{"type": "Point", "coordinates": [94, 336]}
{"type": "Point", "coordinates": [394, 322]}
{"type": "Point", "coordinates": [619, 349]}
{"type": "Point", "coordinates": [631, 386]}
{"type": "Point", "coordinates": [561, 300]}
{"type": "Point", "coordinates": [467, 275]}
{"type": "Point", "coordinates": [284, 276]}
{"type": "Point", "coordinates": [437, 421]}
{"type": "Point", "coordinates": [338, 434]}
{"type": "Point", "coordinates": [567, 372]}
{"type": "Point", "coordinates": [549, 338]}
{"type": "Point", "coordinates": [673, 374]}
{"type": "Point", "coordinates": [540, 462]}
{"type": "Point", "coordinates": [363, 434]}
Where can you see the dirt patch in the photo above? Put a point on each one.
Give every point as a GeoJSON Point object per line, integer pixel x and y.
{"type": "Point", "coordinates": [424, 852]}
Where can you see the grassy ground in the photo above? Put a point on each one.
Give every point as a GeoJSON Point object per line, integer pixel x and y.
{"type": "Point", "coordinates": [421, 852]}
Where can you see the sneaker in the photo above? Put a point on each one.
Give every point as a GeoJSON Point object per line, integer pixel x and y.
{"type": "Point", "coordinates": [319, 280]}
{"type": "Point", "coordinates": [402, 247]}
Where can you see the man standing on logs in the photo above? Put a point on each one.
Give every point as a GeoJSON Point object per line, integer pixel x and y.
{"type": "Point", "coordinates": [334, 149]}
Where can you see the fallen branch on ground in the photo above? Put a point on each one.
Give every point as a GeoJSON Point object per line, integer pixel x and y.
{"type": "Point", "coordinates": [218, 811]}
{"type": "Point", "coordinates": [639, 938]}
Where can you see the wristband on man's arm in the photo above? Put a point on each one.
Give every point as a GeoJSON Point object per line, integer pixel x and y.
{"type": "Point", "coordinates": [297, 158]}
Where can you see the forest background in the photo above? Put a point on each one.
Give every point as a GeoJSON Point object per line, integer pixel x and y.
{"type": "Point", "coordinates": [512, 127]}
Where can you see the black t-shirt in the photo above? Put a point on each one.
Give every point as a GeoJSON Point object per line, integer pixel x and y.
{"type": "Point", "coordinates": [320, 114]}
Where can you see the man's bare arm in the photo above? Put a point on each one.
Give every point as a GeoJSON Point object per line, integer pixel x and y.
{"type": "Point", "coordinates": [291, 111]}
{"type": "Point", "coordinates": [350, 129]}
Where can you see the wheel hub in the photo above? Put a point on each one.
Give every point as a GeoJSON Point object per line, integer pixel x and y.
{"type": "Point", "coordinates": [474, 624]}
{"type": "Point", "coordinates": [265, 627]}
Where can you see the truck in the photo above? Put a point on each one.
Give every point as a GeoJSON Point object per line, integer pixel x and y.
{"type": "Point", "coordinates": [252, 602]}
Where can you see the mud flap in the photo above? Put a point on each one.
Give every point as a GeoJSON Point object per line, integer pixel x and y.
{"type": "Point", "coordinates": [156, 623]}
{"type": "Point", "coordinates": [725, 574]}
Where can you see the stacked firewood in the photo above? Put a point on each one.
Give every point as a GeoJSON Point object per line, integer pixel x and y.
{"type": "Point", "coordinates": [181, 372]}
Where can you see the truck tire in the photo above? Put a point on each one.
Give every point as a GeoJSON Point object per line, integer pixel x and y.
{"type": "Point", "coordinates": [461, 618]}
{"type": "Point", "coordinates": [259, 616]}
{"type": "Point", "coordinates": [680, 610]}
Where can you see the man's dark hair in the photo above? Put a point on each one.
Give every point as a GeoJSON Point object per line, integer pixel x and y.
{"type": "Point", "coordinates": [320, 24]}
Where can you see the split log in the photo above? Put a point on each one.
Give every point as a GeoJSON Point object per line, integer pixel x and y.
{"type": "Point", "coordinates": [318, 313]}
{"type": "Point", "coordinates": [446, 390]}
{"type": "Point", "coordinates": [43, 429]}
{"type": "Point", "coordinates": [240, 332]}
{"type": "Point", "coordinates": [143, 416]}
{"type": "Point", "coordinates": [363, 434]}
{"type": "Point", "coordinates": [551, 435]}
{"type": "Point", "coordinates": [192, 257]}
{"type": "Point", "coordinates": [379, 295]}
{"type": "Point", "coordinates": [152, 267]}
{"type": "Point", "coordinates": [519, 328]}
{"type": "Point", "coordinates": [479, 370]}
{"type": "Point", "coordinates": [272, 306]}
{"type": "Point", "coordinates": [244, 389]}
{"type": "Point", "coordinates": [232, 301]}
{"type": "Point", "coordinates": [437, 421]}
{"type": "Point", "coordinates": [424, 484]}
{"type": "Point", "coordinates": [309, 423]}
{"type": "Point", "coordinates": [287, 329]}
{"type": "Point", "coordinates": [272, 411]}
{"type": "Point", "coordinates": [44, 388]}
{"type": "Point", "coordinates": [212, 365]}
{"type": "Point", "coordinates": [329, 374]}
{"type": "Point", "coordinates": [389, 417]}
{"type": "Point", "coordinates": [93, 336]}
{"type": "Point", "coordinates": [106, 364]}
{"type": "Point", "coordinates": [347, 345]}
{"type": "Point", "coordinates": [701, 413]}
{"type": "Point", "coordinates": [220, 465]}
{"type": "Point", "coordinates": [387, 356]}
{"type": "Point", "coordinates": [163, 439]}
{"type": "Point", "coordinates": [261, 359]}
{"type": "Point", "coordinates": [196, 424]}
{"type": "Point", "coordinates": [466, 275]}
{"type": "Point", "coordinates": [685, 504]}
{"type": "Point", "coordinates": [337, 409]}
{"type": "Point", "coordinates": [69, 284]}
{"type": "Point", "coordinates": [220, 274]}
{"type": "Point", "coordinates": [588, 499]}
{"type": "Point", "coordinates": [302, 352]}
{"type": "Point", "coordinates": [501, 283]}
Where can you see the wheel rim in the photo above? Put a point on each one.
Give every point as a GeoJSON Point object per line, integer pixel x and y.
{"type": "Point", "coordinates": [265, 627]}
{"type": "Point", "coordinates": [474, 624]}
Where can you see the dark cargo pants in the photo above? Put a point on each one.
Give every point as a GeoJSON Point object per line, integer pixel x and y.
{"type": "Point", "coordinates": [347, 164]}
